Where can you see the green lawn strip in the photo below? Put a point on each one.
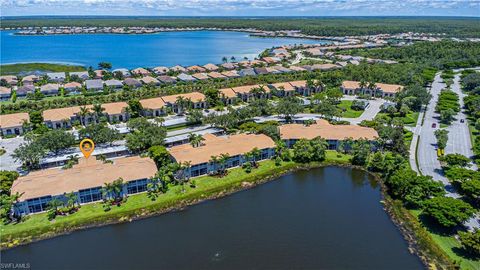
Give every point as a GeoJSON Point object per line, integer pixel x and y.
{"type": "Point", "coordinates": [349, 112]}
{"type": "Point", "coordinates": [43, 67]}
{"type": "Point", "coordinates": [448, 244]}
{"type": "Point", "coordinates": [410, 119]}
{"type": "Point", "coordinates": [37, 226]}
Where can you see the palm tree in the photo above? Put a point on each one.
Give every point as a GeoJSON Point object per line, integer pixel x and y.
{"type": "Point", "coordinates": [232, 59]}
{"type": "Point", "coordinates": [195, 139]}
{"type": "Point", "coordinates": [213, 161]}
{"type": "Point", "coordinates": [113, 190]}
{"type": "Point", "coordinates": [98, 110]}
{"type": "Point", "coordinates": [84, 111]}
{"type": "Point", "coordinates": [223, 161]}
{"type": "Point", "coordinates": [280, 146]}
{"type": "Point", "coordinates": [224, 59]}
{"type": "Point", "coordinates": [72, 198]}
{"type": "Point", "coordinates": [256, 153]}
{"type": "Point", "coordinates": [54, 204]}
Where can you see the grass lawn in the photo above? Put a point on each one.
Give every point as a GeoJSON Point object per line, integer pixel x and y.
{"type": "Point", "coordinates": [137, 205]}
{"type": "Point", "coordinates": [410, 119]}
{"type": "Point", "coordinates": [450, 245]}
{"type": "Point", "coordinates": [347, 111]}
{"type": "Point", "coordinates": [43, 67]}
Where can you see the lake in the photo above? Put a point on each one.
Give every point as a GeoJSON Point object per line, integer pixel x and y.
{"type": "Point", "coordinates": [132, 51]}
{"type": "Point", "coordinates": [327, 218]}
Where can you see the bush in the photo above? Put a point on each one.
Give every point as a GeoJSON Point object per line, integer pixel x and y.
{"type": "Point", "coordinates": [471, 242]}
{"type": "Point", "coordinates": [447, 211]}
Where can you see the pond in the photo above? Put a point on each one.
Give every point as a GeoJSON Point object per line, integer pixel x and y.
{"type": "Point", "coordinates": [132, 51]}
{"type": "Point", "coordinates": [327, 218]}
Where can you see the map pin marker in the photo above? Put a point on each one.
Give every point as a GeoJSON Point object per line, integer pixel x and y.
{"type": "Point", "coordinates": [87, 146]}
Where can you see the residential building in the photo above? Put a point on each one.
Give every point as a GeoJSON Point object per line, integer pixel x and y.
{"type": "Point", "coordinates": [9, 79]}
{"type": "Point", "coordinates": [141, 72]}
{"type": "Point", "coordinates": [333, 134]}
{"type": "Point", "coordinates": [114, 84]}
{"type": "Point", "coordinates": [178, 68]}
{"type": "Point", "coordinates": [200, 76]}
{"type": "Point", "coordinates": [210, 67]}
{"type": "Point", "coordinates": [94, 85]}
{"type": "Point", "coordinates": [72, 87]}
{"type": "Point", "coordinates": [30, 79]}
{"type": "Point", "coordinates": [248, 92]}
{"type": "Point", "coordinates": [153, 106]}
{"type": "Point", "coordinates": [65, 117]}
{"type": "Point", "coordinates": [197, 99]}
{"type": "Point", "coordinates": [324, 66]}
{"type": "Point", "coordinates": [196, 69]}
{"type": "Point", "coordinates": [303, 89]}
{"type": "Point", "coordinates": [24, 90]}
{"type": "Point", "coordinates": [166, 79]}
{"type": "Point", "coordinates": [5, 93]}
{"type": "Point", "coordinates": [125, 72]}
{"type": "Point", "coordinates": [260, 70]}
{"type": "Point", "coordinates": [12, 124]}
{"type": "Point", "coordinates": [229, 66]}
{"type": "Point", "coordinates": [85, 180]}
{"type": "Point", "coordinates": [231, 74]}
{"type": "Point", "coordinates": [56, 76]}
{"type": "Point", "coordinates": [160, 70]}
{"type": "Point", "coordinates": [185, 77]}
{"type": "Point", "coordinates": [49, 89]}
{"type": "Point", "coordinates": [216, 75]}
{"type": "Point", "coordinates": [116, 111]}
{"type": "Point", "coordinates": [133, 83]}
{"type": "Point", "coordinates": [228, 96]}
{"type": "Point", "coordinates": [98, 74]}
{"type": "Point", "coordinates": [149, 80]}
{"type": "Point", "coordinates": [247, 72]}
{"type": "Point", "coordinates": [282, 69]}
{"type": "Point", "coordinates": [271, 60]}
{"type": "Point", "coordinates": [380, 89]}
{"type": "Point", "coordinates": [284, 89]}
{"type": "Point", "coordinates": [83, 75]}
{"type": "Point", "coordinates": [235, 146]}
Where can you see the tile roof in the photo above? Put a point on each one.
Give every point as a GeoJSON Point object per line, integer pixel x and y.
{"type": "Point", "coordinates": [152, 103]}
{"type": "Point", "coordinates": [149, 80]}
{"type": "Point", "coordinates": [299, 84]}
{"type": "Point", "coordinates": [71, 85]}
{"type": "Point", "coordinates": [285, 86]}
{"type": "Point", "coordinates": [61, 113]}
{"type": "Point", "coordinates": [210, 67]}
{"type": "Point", "coordinates": [13, 120]}
{"type": "Point", "coordinates": [248, 88]}
{"type": "Point", "coordinates": [227, 92]}
{"type": "Point", "coordinates": [200, 76]}
{"type": "Point", "coordinates": [327, 131]}
{"type": "Point", "coordinates": [216, 75]}
{"type": "Point", "coordinates": [214, 146]}
{"type": "Point", "coordinates": [115, 107]}
{"type": "Point", "coordinates": [88, 173]}
{"type": "Point", "coordinates": [389, 88]}
{"type": "Point", "coordinates": [196, 68]}
{"type": "Point", "coordinates": [194, 97]}
{"type": "Point", "coordinates": [5, 90]}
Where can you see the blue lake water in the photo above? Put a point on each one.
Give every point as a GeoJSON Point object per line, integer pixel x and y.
{"type": "Point", "coordinates": [131, 51]}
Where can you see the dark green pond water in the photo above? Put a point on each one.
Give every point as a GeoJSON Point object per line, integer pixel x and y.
{"type": "Point", "coordinates": [328, 218]}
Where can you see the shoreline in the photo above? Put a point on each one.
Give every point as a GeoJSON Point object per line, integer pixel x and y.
{"type": "Point", "coordinates": [428, 253]}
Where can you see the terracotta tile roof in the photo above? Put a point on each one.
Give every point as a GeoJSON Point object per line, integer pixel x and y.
{"type": "Point", "coordinates": [200, 76]}
{"type": "Point", "coordinates": [324, 66]}
{"type": "Point", "coordinates": [389, 88]}
{"type": "Point", "coordinates": [5, 90]}
{"type": "Point", "coordinates": [13, 120]}
{"type": "Point", "coordinates": [30, 78]}
{"type": "Point", "coordinates": [61, 113]}
{"type": "Point", "coordinates": [178, 68]}
{"type": "Point", "coordinates": [115, 107]}
{"type": "Point", "coordinates": [149, 80]}
{"type": "Point", "coordinates": [141, 71]}
{"type": "Point", "coordinates": [295, 68]}
{"type": "Point", "coordinates": [216, 75]}
{"type": "Point", "coordinates": [228, 93]}
{"type": "Point", "coordinates": [71, 85]}
{"type": "Point", "coordinates": [196, 68]}
{"type": "Point", "coordinates": [194, 96]}
{"type": "Point", "coordinates": [231, 74]}
{"type": "Point", "coordinates": [152, 103]}
{"type": "Point", "coordinates": [248, 88]}
{"type": "Point", "coordinates": [327, 131]}
{"type": "Point", "coordinates": [161, 70]}
{"type": "Point", "coordinates": [210, 67]}
{"type": "Point", "coordinates": [88, 173]}
{"type": "Point", "coordinates": [299, 84]}
{"type": "Point", "coordinates": [214, 146]}
{"type": "Point", "coordinates": [351, 84]}
{"type": "Point", "coordinates": [285, 86]}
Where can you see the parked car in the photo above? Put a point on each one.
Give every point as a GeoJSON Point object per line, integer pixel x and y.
{"type": "Point", "coordinates": [434, 125]}
{"type": "Point", "coordinates": [462, 120]}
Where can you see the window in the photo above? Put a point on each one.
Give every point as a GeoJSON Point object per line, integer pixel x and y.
{"type": "Point", "coordinates": [90, 195]}
{"type": "Point", "coordinates": [38, 204]}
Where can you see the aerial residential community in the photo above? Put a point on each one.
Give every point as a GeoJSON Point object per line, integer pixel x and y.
{"type": "Point", "coordinates": [239, 142]}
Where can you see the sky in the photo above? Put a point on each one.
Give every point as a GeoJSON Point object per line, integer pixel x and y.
{"type": "Point", "coordinates": [242, 7]}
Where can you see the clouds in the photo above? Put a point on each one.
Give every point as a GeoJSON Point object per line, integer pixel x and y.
{"type": "Point", "coordinates": [242, 7]}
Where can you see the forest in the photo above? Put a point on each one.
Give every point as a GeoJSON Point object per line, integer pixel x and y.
{"type": "Point", "coordinates": [323, 26]}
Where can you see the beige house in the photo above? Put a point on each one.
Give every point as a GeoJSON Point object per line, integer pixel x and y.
{"type": "Point", "coordinates": [198, 100]}
{"type": "Point", "coordinates": [228, 96]}
{"type": "Point", "coordinates": [249, 92]}
{"type": "Point", "coordinates": [380, 89]}
{"type": "Point", "coordinates": [153, 106]}
{"type": "Point", "coordinates": [12, 124]}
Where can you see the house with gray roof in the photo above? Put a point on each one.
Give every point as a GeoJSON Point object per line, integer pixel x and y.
{"type": "Point", "coordinates": [56, 76]}
{"type": "Point", "coordinates": [186, 78]}
{"type": "Point", "coordinates": [125, 72]}
{"type": "Point", "coordinates": [134, 83]}
{"type": "Point", "coordinates": [94, 85]}
{"type": "Point", "coordinates": [166, 79]}
{"type": "Point", "coordinates": [24, 90]}
{"type": "Point", "coordinates": [247, 72]}
{"type": "Point", "coordinates": [49, 89]}
{"type": "Point", "coordinates": [81, 74]}
{"type": "Point", "coordinates": [114, 84]}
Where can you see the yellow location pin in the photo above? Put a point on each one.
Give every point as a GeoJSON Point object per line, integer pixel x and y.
{"type": "Point", "coordinates": [87, 146]}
